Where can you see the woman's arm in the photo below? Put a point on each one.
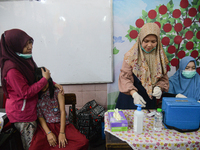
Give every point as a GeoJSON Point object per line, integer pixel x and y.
{"type": "Point", "coordinates": [163, 83]}
{"type": "Point", "coordinates": [60, 87]}
{"type": "Point", "coordinates": [19, 84]}
{"type": "Point", "coordinates": [61, 100]}
{"type": "Point", "coordinates": [126, 80]}
{"type": "Point", "coordinates": [51, 138]}
{"type": "Point", "coordinates": [62, 138]}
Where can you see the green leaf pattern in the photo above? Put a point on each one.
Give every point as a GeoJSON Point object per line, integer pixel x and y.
{"type": "Point", "coordinates": [168, 18]}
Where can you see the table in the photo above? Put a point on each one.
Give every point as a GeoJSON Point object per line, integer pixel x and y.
{"type": "Point", "coordinates": [149, 139]}
{"type": "Point", "coordinates": [114, 143]}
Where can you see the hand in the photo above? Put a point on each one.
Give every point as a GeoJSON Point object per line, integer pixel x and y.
{"type": "Point", "coordinates": [51, 138]}
{"type": "Point", "coordinates": [157, 92]}
{"type": "Point", "coordinates": [46, 73]}
{"type": "Point", "coordinates": [137, 99]}
{"type": "Point", "coordinates": [60, 87]}
{"type": "Point", "coordinates": [62, 140]}
{"type": "Point", "coordinates": [180, 96]}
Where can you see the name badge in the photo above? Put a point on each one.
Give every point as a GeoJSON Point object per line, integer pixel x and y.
{"type": "Point", "coordinates": [55, 109]}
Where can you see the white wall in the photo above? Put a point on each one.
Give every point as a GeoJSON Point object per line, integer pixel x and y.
{"type": "Point", "coordinates": [72, 38]}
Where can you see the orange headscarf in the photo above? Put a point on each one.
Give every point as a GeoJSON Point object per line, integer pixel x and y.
{"type": "Point", "coordinates": [148, 68]}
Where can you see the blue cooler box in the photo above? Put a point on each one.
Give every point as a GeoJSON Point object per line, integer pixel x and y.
{"type": "Point", "coordinates": [182, 113]}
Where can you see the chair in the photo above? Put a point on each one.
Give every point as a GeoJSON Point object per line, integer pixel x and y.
{"type": "Point", "coordinates": [2, 100]}
{"type": "Point", "coordinates": [7, 124]}
{"type": "Point", "coordinates": [70, 98]}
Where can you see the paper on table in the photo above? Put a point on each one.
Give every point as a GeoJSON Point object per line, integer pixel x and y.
{"type": "Point", "coordinates": [2, 114]}
{"type": "Point", "coordinates": [1, 121]}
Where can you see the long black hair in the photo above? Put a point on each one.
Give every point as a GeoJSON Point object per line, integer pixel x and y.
{"type": "Point", "coordinates": [38, 76]}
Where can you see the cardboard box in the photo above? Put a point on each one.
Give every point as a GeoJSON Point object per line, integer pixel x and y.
{"type": "Point", "coordinates": [117, 125]}
{"type": "Point", "coordinates": [182, 113]}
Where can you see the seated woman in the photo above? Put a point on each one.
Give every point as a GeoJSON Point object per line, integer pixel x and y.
{"type": "Point", "coordinates": [55, 131]}
{"type": "Point", "coordinates": [186, 81]}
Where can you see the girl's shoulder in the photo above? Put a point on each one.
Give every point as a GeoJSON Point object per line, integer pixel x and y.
{"type": "Point", "coordinates": [56, 91]}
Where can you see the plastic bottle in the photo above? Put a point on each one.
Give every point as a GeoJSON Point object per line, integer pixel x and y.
{"type": "Point", "coordinates": [138, 120]}
{"type": "Point", "coordinates": [158, 120]}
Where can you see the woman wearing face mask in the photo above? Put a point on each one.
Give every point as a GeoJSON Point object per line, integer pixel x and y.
{"type": "Point", "coordinates": [185, 82]}
{"type": "Point", "coordinates": [17, 79]}
{"type": "Point", "coordinates": [143, 74]}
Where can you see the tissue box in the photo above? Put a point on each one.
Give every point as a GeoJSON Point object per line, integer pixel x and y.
{"type": "Point", "coordinates": [182, 113]}
{"type": "Point", "coordinates": [117, 125]}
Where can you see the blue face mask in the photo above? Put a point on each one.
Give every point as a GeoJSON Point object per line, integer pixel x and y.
{"type": "Point", "coordinates": [146, 51]}
{"type": "Point", "coordinates": [188, 74]}
{"type": "Point", "coordinates": [25, 56]}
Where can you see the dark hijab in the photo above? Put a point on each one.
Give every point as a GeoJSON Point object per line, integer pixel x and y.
{"type": "Point", "coordinates": [13, 41]}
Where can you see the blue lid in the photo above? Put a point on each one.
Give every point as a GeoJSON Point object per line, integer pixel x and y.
{"type": "Point", "coordinates": [139, 107]}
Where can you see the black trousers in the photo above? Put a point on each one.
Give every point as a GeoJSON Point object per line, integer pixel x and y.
{"type": "Point", "coordinates": [126, 101]}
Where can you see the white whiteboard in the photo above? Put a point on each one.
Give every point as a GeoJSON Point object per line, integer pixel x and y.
{"type": "Point", "coordinates": [72, 38]}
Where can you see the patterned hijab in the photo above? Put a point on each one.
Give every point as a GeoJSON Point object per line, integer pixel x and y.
{"type": "Point", "coordinates": [13, 41]}
{"type": "Point", "coordinates": [179, 84]}
{"type": "Point", "coordinates": [148, 67]}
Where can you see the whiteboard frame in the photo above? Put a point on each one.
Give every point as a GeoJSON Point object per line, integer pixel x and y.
{"type": "Point", "coordinates": [38, 57]}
